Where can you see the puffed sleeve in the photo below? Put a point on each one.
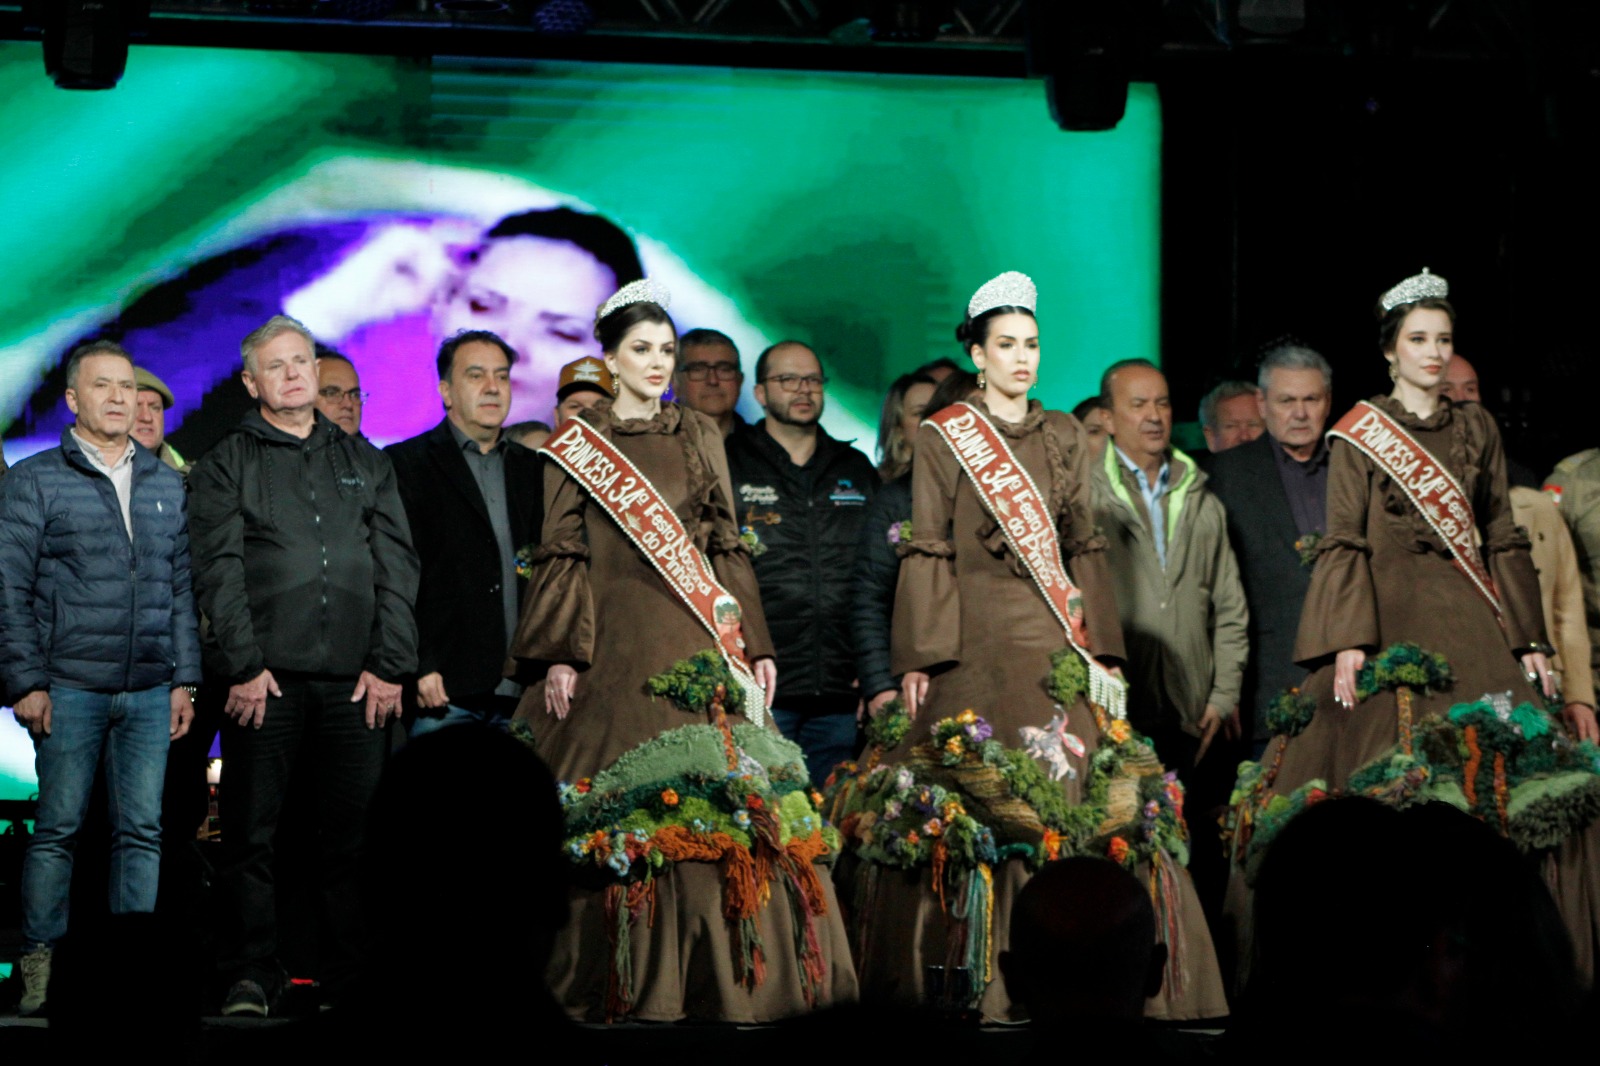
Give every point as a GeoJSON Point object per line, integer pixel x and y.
{"type": "Point", "coordinates": [1505, 546]}
{"type": "Point", "coordinates": [730, 556]}
{"type": "Point", "coordinates": [557, 623]}
{"type": "Point", "coordinates": [926, 632]}
{"type": "Point", "coordinates": [1083, 547]}
{"type": "Point", "coordinates": [1341, 608]}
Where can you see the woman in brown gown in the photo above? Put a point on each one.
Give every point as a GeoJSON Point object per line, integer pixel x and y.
{"type": "Point", "coordinates": [597, 622]}
{"type": "Point", "coordinates": [1384, 576]}
{"type": "Point", "coordinates": [972, 631]}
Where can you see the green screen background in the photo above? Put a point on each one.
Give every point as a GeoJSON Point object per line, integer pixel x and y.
{"type": "Point", "coordinates": [857, 212]}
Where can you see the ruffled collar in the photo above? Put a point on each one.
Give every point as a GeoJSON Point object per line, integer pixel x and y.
{"type": "Point", "coordinates": [1030, 421]}
{"type": "Point", "coordinates": [1438, 420]}
{"type": "Point", "coordinates": [663, 421]}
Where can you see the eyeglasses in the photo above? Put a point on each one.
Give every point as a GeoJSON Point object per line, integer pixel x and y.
{"type": "Point", "coordinates": [707, 371]}
{"type": "Point", "coordinates": [794, 382]}
{"type": "Point", "coordinates": [334, 394]}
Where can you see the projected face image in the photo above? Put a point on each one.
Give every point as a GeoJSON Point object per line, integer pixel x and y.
{"type": "Point", "coordinates": [538, 294]}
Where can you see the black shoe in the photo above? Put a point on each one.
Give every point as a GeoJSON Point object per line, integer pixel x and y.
{"type": "Point", "coordinates": [246, 999]}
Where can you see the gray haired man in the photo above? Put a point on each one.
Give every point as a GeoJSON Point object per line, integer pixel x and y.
{"type": "Point", "coordinates": [1275, 489]}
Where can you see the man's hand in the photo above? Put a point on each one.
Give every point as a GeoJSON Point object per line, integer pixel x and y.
{"type": "Point", "coordinates": [383, 699]}
{"type": "Point", "coordinates": [766, 671]}
{"type": "Point", "coordinates": [1210, 722]}
{"type": "Point", "coordinates": [880, 701]}
{"type": "Point", "coordinates": [1580, 722]}
{"type": "Point", "coordinates": [33, 713]}
{"type": "Point", "coordinates": [247, 703]}
{"type": "Point", "coordinates": [914, 689]}
{"type": "Point", "coordinates": [559, 682]}
{"type": "Point", "coordinates": [182, 713]}
{"type": "Point", "coordinates": [430, 691]}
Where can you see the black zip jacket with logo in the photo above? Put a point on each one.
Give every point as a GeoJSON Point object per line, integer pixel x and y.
{"type": "Point", "coordinates": [806, 525]}
{"type": "Point", "coordinates": [303, 559]}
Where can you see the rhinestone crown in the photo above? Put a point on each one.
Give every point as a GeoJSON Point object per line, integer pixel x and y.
{"type": "Point", "coordinates": [1011, 289]}
{"type": "Point", "coordinates": [643, 291]}
{"type": "Point", "coordinates": [1421, 286]}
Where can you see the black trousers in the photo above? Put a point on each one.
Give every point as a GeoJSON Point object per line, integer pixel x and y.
{"type": "Point", "coordinates": [314, 738]}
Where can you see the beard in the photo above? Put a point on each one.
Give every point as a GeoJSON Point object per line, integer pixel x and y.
{"type": "Point", "coordinates": [782, 414]}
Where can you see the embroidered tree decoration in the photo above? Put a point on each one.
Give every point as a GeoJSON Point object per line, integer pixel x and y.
{"type": "Point", "coordinates": [1290, 712]}
{"type": "Point", "coordinates": [1069, 677]}
{"type": "Point", "coordinates": [1511, 767]}
{"type": "Point", "coordinates": [692, 684]}
{"type": "Point", "coordinates": [1404, 669]}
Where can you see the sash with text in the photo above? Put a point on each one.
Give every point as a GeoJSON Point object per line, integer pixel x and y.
{"type": "Point", "coordinates": [624, 493]}
{"type": "Point", "coordinates": [1013, 500]}
{"type": "Point", "coordinates": [1430, 487]}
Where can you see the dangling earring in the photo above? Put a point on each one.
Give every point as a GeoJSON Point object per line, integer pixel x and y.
{"type": "Point", "coordinates": [982, 384]}
{"type": "Point", "coordinates": [1394, 373]}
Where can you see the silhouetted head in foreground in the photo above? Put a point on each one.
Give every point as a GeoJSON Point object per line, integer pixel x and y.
{"type": "Point", "coordinates": [1083, 944]}
{"type": "Point", "coordinates": [1422, 925]}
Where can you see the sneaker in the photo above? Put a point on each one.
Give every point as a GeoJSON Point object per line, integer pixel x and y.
{"type": "Point", "coordinates": [246, 999]}
{"type": "Point", "coordinates": [35, 968]}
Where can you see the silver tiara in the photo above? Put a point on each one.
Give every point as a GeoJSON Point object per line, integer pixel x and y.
{"type": "Point", "coordinates": [1423, 286]}
{"type": "Point", "coordinates": [1011, 289]}
{"type": "Point", "coordinates": [643, 291]}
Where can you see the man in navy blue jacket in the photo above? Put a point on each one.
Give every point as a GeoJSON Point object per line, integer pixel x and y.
{"type": "Point", "coordinates": [98, 639]}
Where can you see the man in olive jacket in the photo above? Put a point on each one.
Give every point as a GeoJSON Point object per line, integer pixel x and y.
{"type": "Point", "coordinates": [1178, 589]}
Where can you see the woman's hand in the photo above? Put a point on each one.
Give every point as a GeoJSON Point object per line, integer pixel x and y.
{"type": "Point", "coordinates": [1580, 722]}
{"type": "Point", "coordinates": [558, 685]}
{"type": "Point", "coordinates": [913, 690]}
{"type": "Point", "coordinates": [1537, 668]}
{"type": "Point", "coordinates": [1346, 666]}
{"type": "Point", "coordinates": [880, 701]}
{"type": "Point", "coordinates": [766, 671]}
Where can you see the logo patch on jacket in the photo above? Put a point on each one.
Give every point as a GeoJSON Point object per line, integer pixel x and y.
{"type": "Point", "coordinates": [845, 494]}
{"type": "Point", "coordinates": [762, 494]}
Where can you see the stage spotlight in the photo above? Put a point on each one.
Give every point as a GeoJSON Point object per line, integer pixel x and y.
{"type": "Point", "coordinates": [1081, 51]}
{"type": "Point", "coordinates": [906, 21]}
{"type": "Point", "coordinates": [563, 17]}
{"type": "Point", "coordinates": [86, 41]}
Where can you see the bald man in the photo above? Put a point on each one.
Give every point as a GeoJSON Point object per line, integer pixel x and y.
{"type": "Point", "coordinates": [1083, 945]}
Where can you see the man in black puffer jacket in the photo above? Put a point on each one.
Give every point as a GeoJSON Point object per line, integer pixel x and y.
{"type": "Point", "coordinates": [306, 572]}
{"type": "Point", "coordinates": [801, 496]}
{"type": "Point", "coordinates": [98, 636]}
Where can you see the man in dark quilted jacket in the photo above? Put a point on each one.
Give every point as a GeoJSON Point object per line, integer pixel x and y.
{"type": "Point", "coordinates": [98, 639]}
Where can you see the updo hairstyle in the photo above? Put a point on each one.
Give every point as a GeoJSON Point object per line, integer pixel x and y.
{"type": "Point", "coordinates": [610, 329]}
{"type": "Point", "coordinates": [976, 330]}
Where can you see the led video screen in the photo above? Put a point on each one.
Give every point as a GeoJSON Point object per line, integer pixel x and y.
{"type": "Point", "coordinates": [386, 202]}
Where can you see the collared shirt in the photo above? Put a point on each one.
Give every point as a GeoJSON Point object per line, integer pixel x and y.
{"type": "Point", "coordinates": [489, 471]}
{"type": "Point", "coordinates": [1152, 494]}
{"type": "Point", "coordinates": [120, 473]}
{"type": "Point", "coordinates": [1306, 485]}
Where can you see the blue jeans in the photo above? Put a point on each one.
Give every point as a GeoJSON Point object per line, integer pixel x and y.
{"type": "Point", "coordinates": [828, 738]}
{"type": "Point", "coordinates": [127, 732]}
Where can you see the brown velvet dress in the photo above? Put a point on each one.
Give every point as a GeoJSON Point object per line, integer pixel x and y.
{"type": "Point", "coordinates": [967, 614]}
{"type": "Point", "coordinates": [1382, 577]}
{"type": "Point", "coordinates": [596, 604]}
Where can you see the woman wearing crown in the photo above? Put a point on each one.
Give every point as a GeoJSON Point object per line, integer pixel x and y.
{"type": "Point", "coordinates": [1423, 602]}
{"type": "Point", "coordinates": [691, 828]}
{"type": "Point", "coordinates": [1010, 748]}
